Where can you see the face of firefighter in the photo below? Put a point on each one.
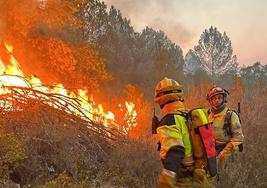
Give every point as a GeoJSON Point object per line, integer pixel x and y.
{"type": "Point", "coordinates": [216, 101]}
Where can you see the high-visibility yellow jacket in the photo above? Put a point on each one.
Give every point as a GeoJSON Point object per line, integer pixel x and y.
{"type": "Point", "coordinates": [220, 135]}
{"type": "Point", "coordinates": [174, 132]}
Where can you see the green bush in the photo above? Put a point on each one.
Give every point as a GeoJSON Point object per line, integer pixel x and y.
{"type": "Point", "coordinates": [65, 181]}
{"type": "Point", "coordinates": [12, 152]}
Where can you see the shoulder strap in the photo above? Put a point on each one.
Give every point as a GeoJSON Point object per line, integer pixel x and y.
{"type": "Point", "coordinates": [167, 120]}
{"type": "Point", "coordinates": [209, 111]}
{"type": "Point", "coordinates": [227, 125]}
{"type": "Point", "coordinates": [182, 113]}
{"type": "Point", "coordinates": [189, 113]}
{"type": "Point", "coordinates": [227, 122]}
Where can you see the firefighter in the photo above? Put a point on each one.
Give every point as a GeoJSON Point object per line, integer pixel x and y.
{"type": "Point", "coordinates": [226, 123]}
{"type": "Point", "coordinates": [174, 138]}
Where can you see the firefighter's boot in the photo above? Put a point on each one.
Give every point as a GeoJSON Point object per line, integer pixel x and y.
{"type": "Point", "coordinates": [167, 179]}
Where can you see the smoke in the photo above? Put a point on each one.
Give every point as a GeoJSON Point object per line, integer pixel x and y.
{"type": "Point", "coordinates": [2, 18]}
{"type": "Point", "coordinates": [175, 30]}
{"type": "Point", "coordinates": [158, 14]}
{"type": "Point", "coordinates": [2, 26]}
{"type": "Point", "coordinates": [184, 20]}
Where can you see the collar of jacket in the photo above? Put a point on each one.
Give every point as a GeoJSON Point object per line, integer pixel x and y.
{"type": "Point", "coordinates": [173, 107]}
{"type": "Point", "coordinates": [218, 110]}
{"type": "Point", "coordinates": [221, 113]}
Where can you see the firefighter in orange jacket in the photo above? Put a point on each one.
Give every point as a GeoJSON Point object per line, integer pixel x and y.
{"type": "Point", "coordinates": [226, 123]}
{"type": "Point", "coordinates": [176, 149]}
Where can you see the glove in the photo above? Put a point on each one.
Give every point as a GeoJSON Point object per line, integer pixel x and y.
{"type": "Point", "coordinates": [226, 152]}
{"type": "Point", "coordinates": [167, 179]}
{"type": "Point", "coordinates": [200, 175]}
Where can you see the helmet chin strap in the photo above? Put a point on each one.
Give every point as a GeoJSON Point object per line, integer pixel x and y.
{"type": "Point", "coordinates": [162, 106]}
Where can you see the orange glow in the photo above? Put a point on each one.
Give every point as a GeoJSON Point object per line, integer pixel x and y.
{"type": "Point", "coordinates": [130, 115]}
{"type": "Point", "coordinates": [12, 75]}
{"type": "Point", "coordinates": [2, 67]}
{"type": "Point", "coordinates": [9, 47]}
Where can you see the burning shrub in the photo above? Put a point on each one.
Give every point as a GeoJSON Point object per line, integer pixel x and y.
{"type": "Point", "coordinates": [46, 35]}
{"type": "Point", "coordinates": [55, 139]}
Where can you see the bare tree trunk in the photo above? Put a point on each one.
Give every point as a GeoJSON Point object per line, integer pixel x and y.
{"type": "Point", "coordinates": [212, 71]}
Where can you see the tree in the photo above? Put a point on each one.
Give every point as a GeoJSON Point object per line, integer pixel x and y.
{"type": "Point", "coordinates": [94, 18]}
{"type": "Point", "coordinates": [47, 35]}
{"type": "Point", "coordinates": [118, 45]}
{"type": "Point", "coordinates": [255, 73]}
{"type": "Point", "coordinates": [192, 63]}
{"type": "Point", "coordinates": [139, 58]}
{"type": "Point", "coordinates": [20, 17]}
{"type": "Point", "coordinates": [166, 57]}
{"type": "Point", "coordinates": [214, 50]}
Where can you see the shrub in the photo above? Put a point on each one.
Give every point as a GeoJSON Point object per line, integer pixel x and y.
{"type": "Point", "coordinates": [12, 152]}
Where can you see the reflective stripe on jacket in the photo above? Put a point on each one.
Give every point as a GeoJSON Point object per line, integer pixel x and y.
{"type": "Point", "coordinates": [174, 131]}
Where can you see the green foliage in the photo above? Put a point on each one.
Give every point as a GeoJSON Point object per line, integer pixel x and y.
{"type": "Point", "coordinates": [166, 57]}
{"type": "Point", "coordinates": [12, 152]}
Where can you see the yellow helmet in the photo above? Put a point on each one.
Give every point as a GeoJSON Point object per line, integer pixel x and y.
{"type": "Point", "coordinates": [168, 90]}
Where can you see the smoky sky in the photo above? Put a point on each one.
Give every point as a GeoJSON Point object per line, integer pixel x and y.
{"type": "Point", "coordinates": [156, 14]}
{"type": "Point", "coordinates": [2, 16]}
{"type": "Point", "coordinates": [183, 21]}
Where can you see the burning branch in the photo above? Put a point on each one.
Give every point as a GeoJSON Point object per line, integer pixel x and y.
{"type": "Point", "coordinates": [17, 98]}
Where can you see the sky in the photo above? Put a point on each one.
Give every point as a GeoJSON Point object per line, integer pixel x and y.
{"type": "Point", "coordinates": [183, 21]}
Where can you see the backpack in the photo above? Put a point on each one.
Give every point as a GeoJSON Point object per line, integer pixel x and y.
{"type": "Point", "coordinates": [202, 140]}
{"type": "Point", "coordinates": [227, 124]}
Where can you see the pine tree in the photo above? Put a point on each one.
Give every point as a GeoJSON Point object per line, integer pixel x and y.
{"type": "Point", "coordinates": [166, 56]}
{"type": "Point", "coordinates": [214, 50]}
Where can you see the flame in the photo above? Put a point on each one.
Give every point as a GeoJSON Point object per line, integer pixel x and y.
{"type": "Point", "coordinates": [2, 67]}
{"type": "Point", "coordinates": [9, 47]}
{"type": "Point", "coordinates": [13, 68]}
{"type": "Point", "coordinates": [130, 116]}
{"type": "Point", "coordinates": [12, 74]}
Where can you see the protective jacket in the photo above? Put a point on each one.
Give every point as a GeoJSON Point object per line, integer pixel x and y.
{"type": "Point", "coordinates": [225, 140]}
{"type": "Point", "coordinates": [174, 137]}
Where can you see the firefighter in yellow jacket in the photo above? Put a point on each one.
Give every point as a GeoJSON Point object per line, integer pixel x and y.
{"type": "Point", "coordinates": [176, 149]}
{"type": "Point", "coordinates": [226, 123]}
